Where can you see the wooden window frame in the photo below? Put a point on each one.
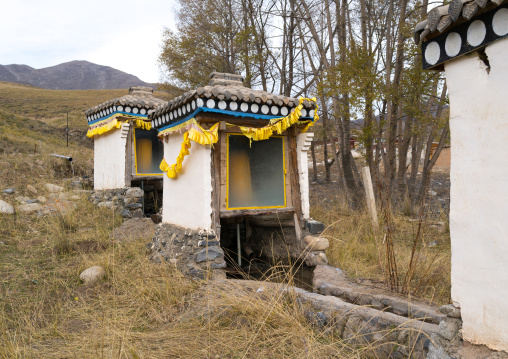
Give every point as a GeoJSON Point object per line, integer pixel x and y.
{"type": "Point", "coordinates": [136, 159]}
{"type": "Point", "coordinates": [285, 174]}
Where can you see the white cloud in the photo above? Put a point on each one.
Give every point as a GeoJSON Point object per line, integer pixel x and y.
{"type": "Point", "coordinates": [122, 34]}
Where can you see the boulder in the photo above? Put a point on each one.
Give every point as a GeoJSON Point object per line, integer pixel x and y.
{"type": "Point", "coordinates": [316, 243]}
{"type": "Point", "coordinates": [107, 204]}
{"type": "Point", "coordinates": [92, 274]}
{"type": "Point", "coordinates": [450, 311]}
{"type": "Point", "coordinates": [68, 196]}
{"type": "Point", "coordinates": [449, 328]}
{"type": "Point", "coordinates": [29, 207]}
{"type": "Point", "coordinates": [314, 227]}
{"type": "Point", "coordinates": [6, 208]}
{"type": "Point", "coordinates": [22, 199]}
{"type": "Point", "coordinates": [53, 188]}
{"type": "Point", "coordinates": [134, 192]}
{"type": "Point", "coordinates": [209, 254]}
{"type": "Point", "coordinates": [31, 189]}
{"type": "Point", "coordinates": [313, 259]}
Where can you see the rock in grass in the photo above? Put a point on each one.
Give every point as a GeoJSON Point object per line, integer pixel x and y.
{"type": "Point", "coordinates": [29, 207]}
{"type": "Point", "coordinates": [6, 208]}
{"type": "Point", "coordinates": [9, 190]}
{"type": "Point", "coordinates": [22, 199]}
{"type": "Point", "coordinates": [316, 243]}
{"type": "Point", "coordinates": [316, 258]}
{"type": "Point", "coordinates": [31, 189]}
{"type": "Point", "coordinates": [53, 188]}
{"type": "Point", "coordinates": [92, 274]}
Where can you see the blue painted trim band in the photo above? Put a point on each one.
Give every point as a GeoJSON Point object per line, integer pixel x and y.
{"type": "Point", "coordinates": [121, 112]}
{"type": "Point", "coordinates": [226, 112]}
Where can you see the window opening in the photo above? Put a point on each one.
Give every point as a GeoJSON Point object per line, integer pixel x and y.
{"type": "Point", "coordinates": [148, 152]}
{"type": "Point", "coordinates": [255, 173]}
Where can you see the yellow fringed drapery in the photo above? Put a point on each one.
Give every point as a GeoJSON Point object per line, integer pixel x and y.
{"type": "Point", "coordinates": [208, 137]}
{"type": "Point", "coordinates": [142, 124]}
{"type": "Point", "coordinates": [198, 135]}
{"type": "Point", "coordinates": [202, 136]}
{"type": "Point", "coordinates": [112, 122]}
{"type": "Point", "coordinates": [176, 168]}
{"type": "Point", "coordinates": [278, 125]}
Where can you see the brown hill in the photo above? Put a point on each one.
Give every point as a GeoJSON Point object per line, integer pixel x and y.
{"type": "Point", "coordinates": [73, 75]}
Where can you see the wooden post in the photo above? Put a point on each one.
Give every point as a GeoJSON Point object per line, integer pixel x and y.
{"type": "Point", "coordinates": [216, 186]}
{"type": "Point", "coordinates": [371, 205]}
{"type": "Point", "coordinates": [293, 176]}
{"type": "Point", "coordinates": [371, 201]}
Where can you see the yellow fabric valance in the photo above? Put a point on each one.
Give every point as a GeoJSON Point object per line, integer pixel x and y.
{"type": "Point", "coordinates": [208, 137]}
{"type": "Point", "coordinates": [113, 122]}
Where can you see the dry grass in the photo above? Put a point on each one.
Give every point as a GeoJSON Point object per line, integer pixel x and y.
{"type": "Point", "coordinates": [141, 309]}
{"type": "Point", "coordinates": [353, 249]}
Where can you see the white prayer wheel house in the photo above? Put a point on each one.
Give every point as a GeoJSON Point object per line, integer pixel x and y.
{"type": "Point", "coordinates": [236, 167]}
{"type": "Point", "coordinates": [127, 152]}
{"type": "Point", "coordinates": [468, 40]}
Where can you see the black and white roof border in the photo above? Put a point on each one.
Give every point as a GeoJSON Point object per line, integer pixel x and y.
{"type": "Point", "coordinates": [224, 106]}
{"type": "Point", "coordinates": [465, 38]}
{"type": "Point", "coordinates": [140, 111]}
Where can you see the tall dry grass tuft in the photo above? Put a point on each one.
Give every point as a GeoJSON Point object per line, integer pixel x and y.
{"type": "Point", "coordinates": [353, 249]}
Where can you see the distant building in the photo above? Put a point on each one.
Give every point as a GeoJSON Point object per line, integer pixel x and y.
{"type": "Point", "coordinates": [127, 151]}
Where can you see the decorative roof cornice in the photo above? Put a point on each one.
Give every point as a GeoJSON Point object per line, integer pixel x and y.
{"type": "Point", "coordinates": [226, 94]}
{"type": "Point", "coordinates": [463, 26]}
{"type": "Point", "coordinates": [140, 101]}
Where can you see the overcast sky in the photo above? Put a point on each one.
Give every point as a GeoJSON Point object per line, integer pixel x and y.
{"type": "Point", "coordinates": [123, 34]}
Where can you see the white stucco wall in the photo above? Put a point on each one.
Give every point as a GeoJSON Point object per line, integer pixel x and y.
{"type": "Point", "coordinates": [479, 193]}
{"type": "Point", "coordinates": [187, 199]}
{"type": "Point", "coordinates": [109, 158]}
{"type": "Point", "coordinates": [303, 142]}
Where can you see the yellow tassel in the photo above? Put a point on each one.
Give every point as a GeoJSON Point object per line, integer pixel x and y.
{"type": "Point", "coordinates": [173, 170]}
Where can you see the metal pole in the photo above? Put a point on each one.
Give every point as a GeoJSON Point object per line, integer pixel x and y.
{"type": "Point", "coordinates": [67, 128]}
{"type": "Point", "coordinates": [143, 203]}
{"type": "Point", "coordinates": [238, 244]}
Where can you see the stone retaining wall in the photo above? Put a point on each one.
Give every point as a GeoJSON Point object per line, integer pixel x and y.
{"type": "Point", "coordinates": [379, 333]}
{"type": "Point", "coordinates": [128, 201]}
{"type": "Point", "coordinates": [193, 252]}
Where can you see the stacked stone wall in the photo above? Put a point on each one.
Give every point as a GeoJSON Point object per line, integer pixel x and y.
{"type": "Point", "coordinates": [127, 201]}
{"type": "Point", "coordinates": [196, 253]}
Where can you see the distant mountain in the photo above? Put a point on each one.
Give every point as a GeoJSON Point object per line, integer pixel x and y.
{"type": "Point", "coordinates": [73, 75]}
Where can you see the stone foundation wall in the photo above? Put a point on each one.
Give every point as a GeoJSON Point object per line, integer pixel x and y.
{"type": "Point", "coordinates": [379, 333]}
{"type": "Point", "coordinates": [448, 341]}
{"type": "Point", "coordinates": [193, 252]}
{"type": "Point", "coordinates": [128, 201]}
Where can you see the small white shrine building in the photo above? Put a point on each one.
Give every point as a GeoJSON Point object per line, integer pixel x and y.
{"type": "Point", "coordinates": [468, 40]}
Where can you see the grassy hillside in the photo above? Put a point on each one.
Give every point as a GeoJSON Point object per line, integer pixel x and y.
{"type": "Point", "coordinates": [51, 106]}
